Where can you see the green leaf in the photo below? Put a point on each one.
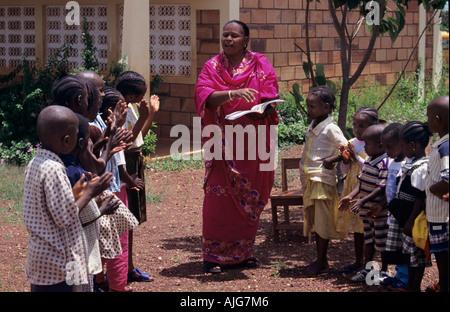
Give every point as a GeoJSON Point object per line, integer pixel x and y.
{"type": "Point", "coordinates": [296, 93]}
{"type": "Point", "coordinates": [320, 75]}
{"type": "Point", "coordinates": [320, 71]}
{"type": "Point", "coordinates": [306, 69]}
{"type": "Point", "coordinates": [331, 85]}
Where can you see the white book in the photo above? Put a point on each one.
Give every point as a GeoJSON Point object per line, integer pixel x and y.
{"type": "Point", "coordinates": [255, 109]}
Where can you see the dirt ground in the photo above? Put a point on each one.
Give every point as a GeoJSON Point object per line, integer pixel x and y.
{"type": "Point", "coordinates": [168, 246]}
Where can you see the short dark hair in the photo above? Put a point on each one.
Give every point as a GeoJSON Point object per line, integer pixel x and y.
{"type": "Point", "coordinates": [416, 131]}
{"type": "Point", "coordinates": [243, 25]}
{"type": "Point", "coordinates": [393, 130]}
{"type": "Point", "coordinates": [325, 95]}
{"type": "Point", "coordinates": [130, 82]}
{"type": "Point", "coordinates": [374, 132]}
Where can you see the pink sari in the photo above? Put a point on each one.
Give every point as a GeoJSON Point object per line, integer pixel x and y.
{"type": "Point", "coordinates": [236, 191]}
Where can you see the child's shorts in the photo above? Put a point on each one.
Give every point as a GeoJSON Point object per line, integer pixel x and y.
{"type": "Point", "coordinates": [376, 232]}
{"type": "Point", "coordinates": [438, 234]}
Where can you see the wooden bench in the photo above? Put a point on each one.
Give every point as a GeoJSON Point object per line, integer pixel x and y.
{"type": "Point", "coordinates": [285, 198]}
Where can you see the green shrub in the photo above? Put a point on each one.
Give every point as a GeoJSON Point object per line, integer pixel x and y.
{"type": "Point", "coordinates": [292, 124]}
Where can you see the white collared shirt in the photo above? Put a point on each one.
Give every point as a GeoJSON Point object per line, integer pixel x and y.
{"type": "Point", "coordinates": [321, 142]}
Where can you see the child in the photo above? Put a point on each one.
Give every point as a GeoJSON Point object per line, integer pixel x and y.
{"type": "Point", "coordinates": [347, 220]}
{"type": "Point", "coordinates": [410, 199]}
{"type": "Point", "coordinates": [371, 190]}
{"type": "Point", "coordinates": [437, 188]}
{"type": "Point", "coordinates": [319, 183]}
{"type": "Point", "coordinates": [390, 138]}
{"type": "Point", "coordinates": [56, 258]}
{"type": "Point", "coordinates": [89, 215]}
{"type": "Point", "coordinates": [133, 87]}
{"type": "Point", "coordinates": [117, 268]}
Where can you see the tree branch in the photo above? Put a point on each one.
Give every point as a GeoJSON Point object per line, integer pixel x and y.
{"type": "Point", "coordinates": [308, 52]}
{"type": "Point", "coordinates": [342, 39]}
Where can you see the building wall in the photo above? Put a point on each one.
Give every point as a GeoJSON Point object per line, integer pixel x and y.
{"type": "Point", "coordinates": [274, 27]}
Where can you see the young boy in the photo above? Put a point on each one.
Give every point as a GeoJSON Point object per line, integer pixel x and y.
{"type": "Point", "coordinates": [391, 140]}
{"type": "Point", "coordinates": [437, 187]}
{"type": "Point", "coordinates": [56, 258]}
{"type": "Point", "coordinates": [371, 188]}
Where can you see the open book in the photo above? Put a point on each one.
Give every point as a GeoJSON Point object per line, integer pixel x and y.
{"type": "Point", "coordinates": [255, 109]}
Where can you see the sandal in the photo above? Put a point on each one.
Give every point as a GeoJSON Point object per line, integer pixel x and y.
{"type": "Point", "coordinates": [314, 269]}
{"type": "Point", "coordinates": [388, 281]}
{"type": "Point", "coordinates": [360, 276]}
{"type": "Point", "coordinates": [142, 277]}
{"type": "Point", "coordinates": [211, 267]}
{"type": "Point", "coordinates": [349, 269]}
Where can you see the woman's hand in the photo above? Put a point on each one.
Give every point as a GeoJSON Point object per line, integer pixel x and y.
{"type": "Point", "coordinates": [256, 116]}
{"type": "Point", "coordinates": [247, 94]}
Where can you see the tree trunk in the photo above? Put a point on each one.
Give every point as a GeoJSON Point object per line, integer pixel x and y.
{"type": "Point", "coordinates": [343, 104]}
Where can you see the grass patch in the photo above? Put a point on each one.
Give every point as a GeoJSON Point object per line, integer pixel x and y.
{"type": "Point", "coordinates": [11, 192]}
{"type": "Point", "coordinates": [171, 164]}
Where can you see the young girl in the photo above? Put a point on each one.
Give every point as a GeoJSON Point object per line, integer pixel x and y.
{"type": "Point", "coordinates": [349, 221]}
{"type": "Point", "coordinates": [133, 87]}
{"type": "Point", "coordinates": [318, 175]}
{"type": "Point", "coordinates": [411, 197]}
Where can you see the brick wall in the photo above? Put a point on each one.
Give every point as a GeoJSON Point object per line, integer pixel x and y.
{"type": "Point", "coordinates": [274, 27]}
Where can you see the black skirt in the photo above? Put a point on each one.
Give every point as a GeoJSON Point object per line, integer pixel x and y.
{"type": "Point", "coordinates": [136, 199]}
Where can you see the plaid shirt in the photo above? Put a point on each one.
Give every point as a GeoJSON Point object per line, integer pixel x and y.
{"type": "Point", "coordinates": [56, 248]}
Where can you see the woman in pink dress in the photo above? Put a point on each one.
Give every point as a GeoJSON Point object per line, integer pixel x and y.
{"type": "Point", "coordinates": [236, 189]}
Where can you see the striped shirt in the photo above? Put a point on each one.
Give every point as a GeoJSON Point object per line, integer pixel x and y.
{"type": "Point", "coordinates": [56, 250]}
{"type": "Point", "coordinates": [321, 142]}
{"type": "Point", "coordinates": [436, 208]}
{"type": "Point", "coordinates": [373, 174]}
